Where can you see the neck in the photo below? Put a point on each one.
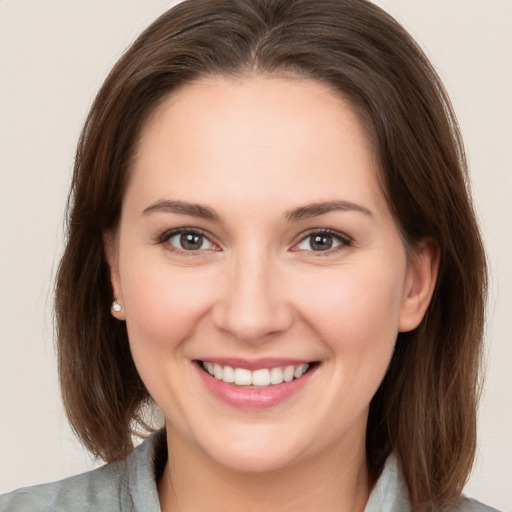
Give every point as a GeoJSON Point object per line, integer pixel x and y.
{"type": "Point", "coordinates": [335, 481]}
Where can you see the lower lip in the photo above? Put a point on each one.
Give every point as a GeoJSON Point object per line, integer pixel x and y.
{"type": "Point", "coordinates": [253, 398]}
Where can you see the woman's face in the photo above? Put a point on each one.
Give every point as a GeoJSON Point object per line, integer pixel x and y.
{"type": "Point", "coordinates": [255, 242]}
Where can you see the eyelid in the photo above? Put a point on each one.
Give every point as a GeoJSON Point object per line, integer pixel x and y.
{"type": "Point", "coordinates": [344, 239]}
{"type": "Point", "coordinates": [169, 233]}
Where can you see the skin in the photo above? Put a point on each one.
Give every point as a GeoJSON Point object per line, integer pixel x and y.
{"type": "Point", "coordinates": [252, 150]}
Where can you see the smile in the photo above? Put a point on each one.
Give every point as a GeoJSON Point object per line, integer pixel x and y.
{"type": "Point", "coordinates": [261, 377]}
{"type": "Point", "coordinates": [255, 384]}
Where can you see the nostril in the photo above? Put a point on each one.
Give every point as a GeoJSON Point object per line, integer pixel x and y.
{"type": "Point", "coordinates": [252, 324]}
{"type": "Point", "coordinates": [250, 306]}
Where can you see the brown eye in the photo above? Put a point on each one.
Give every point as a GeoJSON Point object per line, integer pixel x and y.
{"type": "Point", "coordinates": [190, 241]}
{"type": "Point", "coordinates": [323, 241]}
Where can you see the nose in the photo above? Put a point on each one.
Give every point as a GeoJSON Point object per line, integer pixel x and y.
{"type": "Point", "coordinates": [252, 305]}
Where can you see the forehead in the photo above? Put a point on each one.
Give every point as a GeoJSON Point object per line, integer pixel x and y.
{"type": "Point", "coordinates": [230, 138]}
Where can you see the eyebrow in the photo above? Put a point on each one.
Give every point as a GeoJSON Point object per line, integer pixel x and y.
{"type": "Point", "coordinates": [184, 208]}
{"type": "Point", "coordinates": [316, 209]}
{"type": "Point", "coordinates": [302, 212]}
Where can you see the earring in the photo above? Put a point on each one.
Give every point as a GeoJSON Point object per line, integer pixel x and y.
{"type": "Point", "coordinates": [116, 307]}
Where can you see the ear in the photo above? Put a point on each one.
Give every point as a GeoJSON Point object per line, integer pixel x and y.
{"type": "Point", "coordinates": [420, 282]}
{"type": "Point", "coordinates": [110, 243]}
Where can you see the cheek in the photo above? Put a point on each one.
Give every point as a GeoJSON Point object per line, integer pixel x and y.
{"type": "Point", "coordinates": [354, 306]}
{"type": "Point", "coordinates": [163, 312]}
{"type": "Point", "coordinates": [354, 314]}
{"type": "Point", "coordinates": [163, 307]}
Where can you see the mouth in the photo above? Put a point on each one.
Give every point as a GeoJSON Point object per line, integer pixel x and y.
{"type": "Point", "coordinates": [255, 384]}
{"type": "Point", "coordinates": [258, 378]}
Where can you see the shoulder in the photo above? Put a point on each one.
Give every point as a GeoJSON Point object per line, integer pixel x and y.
{"type": "Point", "coordinates": [100, 489]}
{"type": "Point", "coordinates": [390, 494]}
{"type": "Point", "coordinates": [122, 485]}
{"type": "Point", "coordinates": [470, 505]}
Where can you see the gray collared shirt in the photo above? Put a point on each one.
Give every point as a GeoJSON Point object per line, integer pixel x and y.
{"type": "Point", "coordinates": [130, 486]}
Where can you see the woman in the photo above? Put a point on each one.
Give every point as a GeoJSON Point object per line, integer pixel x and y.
{"type": "Point", "coordinates": [272, 237]}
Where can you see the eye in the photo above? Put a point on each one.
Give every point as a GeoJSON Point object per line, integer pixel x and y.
{"type": "Point", "coordinates": [323, 241]}
{"type": "Point", "coordinates": [188, 240]}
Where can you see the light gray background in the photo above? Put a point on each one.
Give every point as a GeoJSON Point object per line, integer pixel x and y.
{"type": "Point", "coordinates": [53, 58]}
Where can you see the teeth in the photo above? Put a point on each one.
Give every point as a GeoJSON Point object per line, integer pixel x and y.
{"type": "Point", "coordinates": [288, 373]}
{"type": "Point", "coordinates": [262, 377]}
{"type": "Point", "coordinates": [243, 377]}
{"type": "Point", "coordinates": [228, 374]}
{"type": "Point", "coordinates": [276, 376]}
{"type": "Point", "coordinates": [218, 371]}
{"type": "Point", "coordinates": [300, 371]}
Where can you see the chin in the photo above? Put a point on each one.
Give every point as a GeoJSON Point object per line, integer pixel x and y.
{"type": "Point", "coordinates": [254, 459]}
{"type": "Point", "coordinates": [244, 448]}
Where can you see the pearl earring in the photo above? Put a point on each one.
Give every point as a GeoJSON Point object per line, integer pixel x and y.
{"type": "Point", "coordinates": [116, 307]}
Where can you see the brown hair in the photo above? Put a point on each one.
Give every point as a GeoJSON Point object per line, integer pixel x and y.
{"type": "Point", "coordinates": [425, 409]}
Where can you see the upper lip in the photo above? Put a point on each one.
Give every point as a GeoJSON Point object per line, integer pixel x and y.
{"type": "Point", "coordinates": [255, 364]}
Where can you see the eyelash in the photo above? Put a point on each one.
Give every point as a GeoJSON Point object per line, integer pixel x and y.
{"type": "Point", "coordinates": [343, 240]}
{"type": "Point", "coordinates": [165, 237]}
